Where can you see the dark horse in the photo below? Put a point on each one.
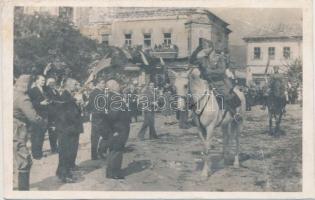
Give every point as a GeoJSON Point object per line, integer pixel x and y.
{"type": "Point", "coordinates": [276, 103]}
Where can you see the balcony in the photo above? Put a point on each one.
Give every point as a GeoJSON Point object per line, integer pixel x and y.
{"type": "Point", "coordinates": [165, 52]}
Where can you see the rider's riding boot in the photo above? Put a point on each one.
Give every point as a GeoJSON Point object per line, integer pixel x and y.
{"type": "Point", "coordinates": [232, 103]}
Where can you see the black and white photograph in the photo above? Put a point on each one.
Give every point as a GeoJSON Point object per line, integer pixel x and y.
{"type": "Point", "coordinates": [155, 98]}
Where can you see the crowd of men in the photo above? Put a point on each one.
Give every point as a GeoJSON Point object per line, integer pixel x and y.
{"type": "Point", "coordinates": [41, 105]}
{"type": "Point", "coordinates": [39, 108]}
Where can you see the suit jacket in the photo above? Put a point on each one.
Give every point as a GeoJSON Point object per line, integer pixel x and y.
{"type": "Point", "coordinates": [38, 96]}
{"type": "Point", "coordinates": [117, 121]}
{"type": "Point", "coordinates": [95, 102]}
{"type": "Point", "coordinates": [54, 97]}
{"type": "Point", "coordinates": [68, 120]}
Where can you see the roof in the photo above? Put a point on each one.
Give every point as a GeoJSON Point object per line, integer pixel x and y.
{"type": "Point", "coordinates": [277, 31]}
{"type": "Point", "coordinates": [136, 13]}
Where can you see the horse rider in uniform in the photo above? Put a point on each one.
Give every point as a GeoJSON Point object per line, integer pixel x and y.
{"type": "Point", "coordinates": [277, 77]}
{"type": "Point", "coordinates": [25, 117]}
{"type": "Point", "coordinates": [216, 71]}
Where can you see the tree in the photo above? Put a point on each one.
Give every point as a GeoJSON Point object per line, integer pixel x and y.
{"type": "Point", "coordinates": [41, 39]}
{"type": "Point", "coordinates": [295, 73]}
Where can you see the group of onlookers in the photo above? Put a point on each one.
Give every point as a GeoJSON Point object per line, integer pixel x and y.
{"type": "Point", "coordinates": [40, 107]}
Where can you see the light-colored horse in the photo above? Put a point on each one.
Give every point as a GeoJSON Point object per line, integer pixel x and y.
{"type": "Point", "coordinates": [207, 114]}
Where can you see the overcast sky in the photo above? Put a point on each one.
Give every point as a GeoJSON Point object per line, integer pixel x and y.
{"type": "Point", "coordinates": [244, 21]}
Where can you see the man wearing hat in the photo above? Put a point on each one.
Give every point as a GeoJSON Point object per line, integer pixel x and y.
{"type": "Point", "coordinates": [24, 117]}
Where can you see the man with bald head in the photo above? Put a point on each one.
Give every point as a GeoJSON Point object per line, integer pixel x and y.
{"type": "Point", "coordinates": [117, 123]}
{"type": "Point", "coordinates": [68, 127]}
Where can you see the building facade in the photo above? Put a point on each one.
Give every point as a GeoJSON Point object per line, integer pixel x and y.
{"type": "Point", "coordinates": [279, 46]}
{"type": "Point", "coordinates": [76, 15]}
{"type": "Point", "coordinates": [159, 28]}
{"type": "Point", "coordinates": [163, 29]}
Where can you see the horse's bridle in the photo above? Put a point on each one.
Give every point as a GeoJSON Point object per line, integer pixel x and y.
{"type": "Point", "coordinates": [200, 99]}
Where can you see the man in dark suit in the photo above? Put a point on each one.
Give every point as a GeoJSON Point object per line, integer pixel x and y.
{"type": "Point", "coordinates": [53, 96]}
{"type": "Point", "coordinates": [149, 116]}
{"type": "Point", "coordinates": [68, 126]}
{"type": "Point", "coordinates": [117, 123]}
{"type": "Point", "coordinates": [96, 101]}
{"type": "Point", "coordinates": [40, 103]}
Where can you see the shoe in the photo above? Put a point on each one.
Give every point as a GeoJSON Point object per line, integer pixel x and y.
{"type": "Point", "coordinates": [141, 138]}
{"type": "Point", "coordinates": [54, 151]}
{"type": "Point", "coordinates": [118, 176]}
{"type": "Point", "coordinates": [94, 158]}
{"type": "Point", "coordinates": [75, 168]}
{"type": "Point", "coordinates": [67, 180]}
{"type": "Point", "coordinates": [153, 137]}
{"type": "Point", "coordinates": [37, 157]}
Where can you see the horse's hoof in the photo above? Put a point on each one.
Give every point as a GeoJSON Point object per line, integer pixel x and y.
{"type": "Point", "coordinates": [204, 176]}
{"type": "Point", "coordinates": [236, 165]}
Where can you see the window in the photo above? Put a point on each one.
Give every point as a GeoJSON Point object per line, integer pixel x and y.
{"type": "Point", "coordinates": [167, 39]}
{"type": "Point", "coordinates": [257, 53]}
{"type": "Point", "coordinates": [18, 10]}
{"type": "Point", "coordinates": [66, 13]}
{"type": "Point", "coordinates": [147, 40]}
{"type": "Point", "coordinates": [105, 39]}
{"type": "Point", "coordinates": [286, 52]}
{"type": "Point", "coordinates": [128, 39]}
{"type": "Point", "coordinates": [271, 53]}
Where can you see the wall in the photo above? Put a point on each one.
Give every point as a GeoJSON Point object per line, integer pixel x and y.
{"type": "Point", "coordinates": [50, 10]}
{"type": "Point", "coordinates": [279, 59]}
{"type": "Point", "coordinates": [156, 27]}
{"type": "Point", "coordinates": [256, 68]}
{"type": "Point", "coordinates": [219, 37]}
{"type": "Point", "coordinates": [198, 31]}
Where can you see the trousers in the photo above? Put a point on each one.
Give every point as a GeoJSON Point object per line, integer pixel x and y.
{"type": "Point", "coordinates": [37, 139]}
{"type": "Point", "coordinates": [52, 134]}
{"type": "Point", "coordinates": [68, 149]}
{"type": "Point", "coordinates": [117, 140]}
{"type": "Point", "coordinates": [97, 131]}
{"type": "Point", "coordinates": [149, 122]}
{"type": "Point", "coordinates": [21, 153]}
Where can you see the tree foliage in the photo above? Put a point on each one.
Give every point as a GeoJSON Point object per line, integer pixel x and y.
{"type": "Point", "coordinates": [41, 39]}
{"type": "Point", "coordinates": [295, 73]}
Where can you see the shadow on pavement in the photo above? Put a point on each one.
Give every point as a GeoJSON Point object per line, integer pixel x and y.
{"type": "Point", "coordinates": [136, 167]}
{"type": "Point", "coordinates": [53, 182]}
